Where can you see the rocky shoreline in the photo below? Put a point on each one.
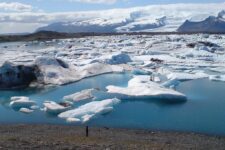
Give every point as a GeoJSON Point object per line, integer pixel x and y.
{"type": "Point", "coordinates": [73, 137]}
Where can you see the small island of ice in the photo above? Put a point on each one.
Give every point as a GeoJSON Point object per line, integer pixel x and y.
{"type": "Point", "coordinates": [142, 87]}
{"type": "Point", "coordinates": [88, 111]}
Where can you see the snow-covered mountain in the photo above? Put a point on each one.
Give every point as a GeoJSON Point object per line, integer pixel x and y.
{"type": "Point", "coordinates": [136, 22]}
{"type": "Point", "coordinates": [159, 18]}
{"type": "Point", "coordinates": [210, 24]}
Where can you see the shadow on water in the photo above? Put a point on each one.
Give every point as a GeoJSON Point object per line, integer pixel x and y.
{"type": "Point", "coordinates": [158, 101]}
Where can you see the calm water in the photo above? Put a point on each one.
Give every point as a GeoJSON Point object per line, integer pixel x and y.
{"type": "Point", "coordinates": [203, 112]}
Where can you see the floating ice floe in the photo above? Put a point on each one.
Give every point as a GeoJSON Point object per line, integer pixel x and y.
{"type": "Point", "coordinates": [88, 111]}
{"type": "Point", "coordinates": [142, 87]}
{"type": "Point", "coordinates": [217, 78]}
{"type": "Point", "coordinates": [21, 102]}
{"type": "Point", "coordinates": [80, 96]}
{"type": "Point", "coordinates": [26, 110]}
{"type": "Point", "coordinates": [54, 108]}
{"type": "Point", "coordinates": [176, 78]}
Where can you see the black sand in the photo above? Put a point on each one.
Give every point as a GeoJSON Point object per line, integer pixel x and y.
{"type": "Point", "coordinates": [52, 137]}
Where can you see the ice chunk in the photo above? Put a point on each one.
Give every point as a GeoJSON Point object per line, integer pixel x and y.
{"type": "Point", "coordinates": [140, 72]}
{"type": "Point", "coordinates": [56, 71]}
{"type": "Point", "coordinates": [80, 96]}
{"type": "Point", "coordinates": [21, 102]}
{"type": "Point", "coordinates": [86, 112]}
{"type": "Point", "coordinates": [97, 69]}
{"type": "Point", "coordinates": [34, 107]}
{"type": "Point", "coordinates": [176, 78]}
{"type": "Point", "coordinates": [217, 78]}
{"type": "Point", "coordinates": [120, 58]}
{"type": "Point", "coordinates": [15, 76]}
{"type": "Point", "coordinates": [72, 120]}
{"type": "Point", "coordinates": [142, 87]}
{"type": "Point", "coordinates": [54, 108]}
{"type": "Point", "coordinates": [187, 76]}
{"type": "Point", "coordinates": [26, 110]}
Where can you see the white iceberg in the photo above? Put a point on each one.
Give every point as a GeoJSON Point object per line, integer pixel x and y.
{"type": "Point", "coordinates": [73, 120]}
{"type": "Point", "coordinates": [97, 69]}
{"type": "Point", "coordinates": [26, 110]}
{"type": "Point", "coordinates": [186, 76]}
{"type": "Point", "coordinates": [120, 58]}
{"type": "Point", "coordinates": [80, 96]}
{"type": "Point", "coordinates": [140, 72]}
{"type": "Point", "coordinates": [217, 78]}
{"type": "Point", "coordinates": [142, 87]}
{"type": "Point", "coordinates": [54, 108]}
{"type": "Point", "coordinates": [56, 71]}
{"type": "Point", "coordinates": [176, 78]}
{"type": "Point", "coordinates": [21, 102]}
{"type": "Point", "coordinates": [86, 112]}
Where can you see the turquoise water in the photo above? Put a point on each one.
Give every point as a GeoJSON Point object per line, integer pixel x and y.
{"type": "Point", "coordinates": [203, 112]}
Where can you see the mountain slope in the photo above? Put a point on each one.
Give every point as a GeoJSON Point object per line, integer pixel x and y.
{"type": "Point", "coordinates": [105, 26]}
{"type": "Point", "coordinates": [153, 18]}
{"type": "Point", "coordinates": [210, 24]}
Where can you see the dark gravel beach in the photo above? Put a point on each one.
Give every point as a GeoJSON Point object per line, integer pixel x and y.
{"type": "Point", "coordinates": [68, 137]}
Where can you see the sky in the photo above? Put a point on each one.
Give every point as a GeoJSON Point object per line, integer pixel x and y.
{"type": "Point", "coordinates": [85, 5]}
{"type": "Point", "coordinates": [18, 16]}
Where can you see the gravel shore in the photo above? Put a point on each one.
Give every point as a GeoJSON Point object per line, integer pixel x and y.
{"type": "Point", "coordinates": [49, 137]}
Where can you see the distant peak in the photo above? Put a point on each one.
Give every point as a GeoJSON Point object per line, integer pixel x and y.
{"type": "Point", "coordinates": [221, 14]}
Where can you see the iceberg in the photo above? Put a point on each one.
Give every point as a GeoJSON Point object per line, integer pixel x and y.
{"type": "Point", "coordinates": [54, 108]}
{"type": "Point", "coordinates": [140, 72]}
{"type": "Point", "coordinates": [142, 87]}
{"type": "Point", "coordinates": [80, 96]}
{"type": "Point", "coordinates": [15, 76]}
{"type": "Point", "coordinates": [56, 71]}
{"type": "Point", "coordinates": [187, 76]}
{"type": "Point", "coordinates": [88, 111]}
{"type": "Point", "coordinates": [97, 69]}
{"type": "Point", "coordinates": [217, 78]}
{"type": "Point", "coordinates": [176, 78]}
{"type": "Point", "coordinates": [50, 70]}
{"type": "Point", "coordinates": [21, 102]}
{"type": "Point", "coordinates": [120, 58]}
{"type": "Point", "coordinates": [26, 110]}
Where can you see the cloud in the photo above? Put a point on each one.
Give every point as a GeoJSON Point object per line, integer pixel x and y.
{"type": "Point", "coordinates": [175, 13]}
{"type": "Point", "coordinates": [15, 6]}
{"type": "Point", "coordinates": [96, 1]}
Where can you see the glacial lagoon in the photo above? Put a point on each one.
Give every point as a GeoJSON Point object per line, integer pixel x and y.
{"type": "Point", "coordinates": [203, 111]}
